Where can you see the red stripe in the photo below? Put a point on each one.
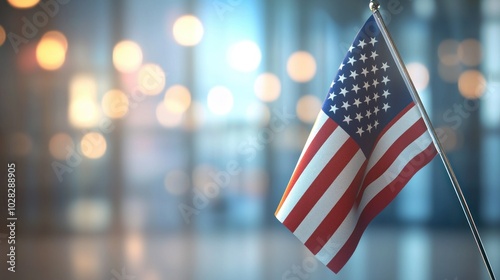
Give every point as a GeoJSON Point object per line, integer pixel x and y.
{"type": "Point", "coordinates": [323, 133]}
{"type": "Point", "coordinates": [415, 131]}
{"type": "Point", "coordinates": [336, 216]}
{"type": "Point", "coordinates": [321, 183]}
{"type": "Point", "coordinates": [378, 203]}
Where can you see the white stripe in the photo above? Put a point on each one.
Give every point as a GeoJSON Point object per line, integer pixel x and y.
{"type": "Point", "coordinates": [331, 196]}
{"type": "Point", "coordinates": [318, 124]}
{"type": "Point", "coordinates": [339, 237]}
{"type": "Point", "coordinates": [311, 171]}
{"type": "Point", "coordinates": [392, 134]}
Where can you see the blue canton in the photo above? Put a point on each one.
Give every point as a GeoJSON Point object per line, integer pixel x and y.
{"type": "Point", "coordinates": [368, 90]}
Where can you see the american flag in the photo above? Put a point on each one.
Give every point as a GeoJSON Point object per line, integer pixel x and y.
{"type": "Point", "coordinates": [368, 141]}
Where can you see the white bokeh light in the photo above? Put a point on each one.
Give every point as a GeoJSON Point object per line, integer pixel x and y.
{"type": "Point", "coordinates": [220, 100]}
{"type": "Point", "coordinates": [267, 87]}
{"type": "Point", "coordinates": [419, 75]}
{"type": "Point", "coordinates": [244, 56]}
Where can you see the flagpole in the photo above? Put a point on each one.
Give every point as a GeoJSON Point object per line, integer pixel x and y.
{"type": "Point", "coordinates": [374, 7]}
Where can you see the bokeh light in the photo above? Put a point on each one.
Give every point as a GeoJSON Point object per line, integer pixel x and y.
{"type": "Point", "coordinates": [84, 259]}
{"type": "Point", "coordinates": [244, 56]}
{"type": "Point", "coordinates": [267, 87]}
{"type": "Point", "coordinates": [448, 52]}
{"type": "Point", "coordinates": [469, 52]}
{"type": "Point", "coordinates": [93, 145]}
{"type": "Point", "coordinates": [20, 143]}
{"type": "Point", "coordinates": [60, 145]}
{"type": "Point", "coordinates": [134, 249]}
{"type": "Point", "coordinates": [151, 79]}
{"type": "Point", "coordinates": [177, 99]}
{"type": "Point", "coordinates": [23, 4]}
{"type": "Point", "coordinates": [88, 215]}
{"type": "Point", "coordinates": [471, 84]}
{"type": "Point", "coordinates": [115, 104]}
{"type": "Point", "coordinates": [198, 116]}
{"type": "Point", "coordinates": [188, 30]}
{"type": "Point", "coordinates": [308, 108]}
{"type": "Point", "coordinates": [167, 118]}
{"type": "Point", "coordinates": [59, 37]}
{"type": "Point", "coordinates": [177, 182]}
{"type": "Point", "coordinates": [51, 51]}
{"type": "Point", "coordinates": [83, 107]}
{"type": "Point", "coordinates": [127, 56]}
{"type": "Point", "coordinates": [419, 75]}
{"type": "Point", "coordinates": [220, 100]}
{"type": "Point", "coordinates": [301, 66]}
{"type": "Point", "coordinates": [2, 35]}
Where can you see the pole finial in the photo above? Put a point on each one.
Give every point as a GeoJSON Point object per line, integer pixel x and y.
{"type": "Point", "coordinates": [374, 5]}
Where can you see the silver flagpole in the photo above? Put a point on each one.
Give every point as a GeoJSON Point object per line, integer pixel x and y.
{"type": "Point", "coordinates": [374, 7]}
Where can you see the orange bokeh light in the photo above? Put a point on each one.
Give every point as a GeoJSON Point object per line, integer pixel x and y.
{"type": "Point", "coordinates": [51, 50]}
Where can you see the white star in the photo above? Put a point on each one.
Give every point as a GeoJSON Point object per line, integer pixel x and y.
{"type": "Point", "coordinates": [374, 69]}
{"type": "Point", "coordinates": [351, 48]}
{"type": "Point", "coordinates": [375, 83]}
{"type": "Point", "coordinates": [375, 110]}
{"type": "Point", "coordinates": [356, 102]}
{"type": "Point", "coordinates": [385, 80]}
{"type": "Point", "coordinates": [331, 85]}
{"type": "Point", "coordinates": [375, 124]}
{"type": "Point", "coordinates": [351, 60]}
{"type": "Point", "coordinates": [367, 100]}
{"type": "Point", "coordinates": [366, 85]}
{"type": "Point", "coordinates": [369, 128]}
{"type": "Point", "coordinates": [386, 106]}
{"type": "Point", "coordinates": [361, 44]}
{"type": "Point", "coordinates": [355, 88]}
{"type": "Point", "coordinates": [332, 96]}
{"type": "Point", "coordinates": [359, 117]}
{"type": "Point", "coordinates": [360, 131]}
{"type": "Point", "coordinates": [333, 108]}
{"type": "Point", "coordinates": [373, 41]}
{"type": "Point", "coordinates": [373, 55]}
{"type": "Point", "coordinates": [368, 114]}
{"type": "Point", "coordinates": [384, 66]}
{"type": "Point", "coordinates": [364, 72]}
{"type": "Point", "coordinates": [375, 97]}
{"type": "Point", "coordinates": [345, 105]}
{"type": "Point", "coordinates": [353, 74]}
{"type": "Point", "coordinates": [341, 66]}
{"type": "Point", "coordinates": [343, 91]}
{"type": "Point", "coordinates": [386, 93]}
{"type": "Point", "coordinates": [347, 119]}
{"type": "Point", "coordinates": [341, 78]}
{"type": "Point", "coordinates": [363, 57]}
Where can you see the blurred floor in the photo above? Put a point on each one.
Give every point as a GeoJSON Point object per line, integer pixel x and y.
{"type": "Point", "coordinates": [246, 255]}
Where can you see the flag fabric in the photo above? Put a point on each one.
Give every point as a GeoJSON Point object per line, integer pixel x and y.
{"type": "Point", "coordinates": [368, 141]}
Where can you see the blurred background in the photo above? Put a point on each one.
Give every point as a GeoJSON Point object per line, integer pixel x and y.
{"type": "Point", "coordinates": [154, 139]}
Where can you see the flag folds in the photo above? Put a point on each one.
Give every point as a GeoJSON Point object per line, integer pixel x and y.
{"type": "Point", "coordinates": [368, 141]}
